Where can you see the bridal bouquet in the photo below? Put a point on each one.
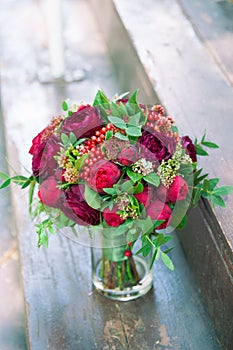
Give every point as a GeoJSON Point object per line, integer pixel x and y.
{"type": "Point", "coordinates": [120, 167]}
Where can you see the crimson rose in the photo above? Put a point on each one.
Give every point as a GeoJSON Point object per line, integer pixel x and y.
{"type": "Point", "coordinates": [76, 208]}
{"type": "Point", "coordinates": [111, 217]}
{"type": "Point", "coordinates": [145, 196]}
{"type": "Point", "coordinates": [103, 174]}
{"type": "Point", "coordinates": [82, 123]}
{"type": "Point", "coordinates": [127, 156]}
{"type": "Point", "coordinates": [156, 146]}
{"type": "Point", "coordinates": [49, 194]}
{"type": "Point", "coordinates": [160, 211]}
{"type": "Point", "coordinates": [190, 147]}
{"type": "Point", "coordinates": [43, 162]}
{"type": "Point", "coordinates": [178, 190]}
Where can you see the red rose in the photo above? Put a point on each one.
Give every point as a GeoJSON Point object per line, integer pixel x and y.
{"type": "Point", "coordinates": [111, 217]}
{"type": "Point", "coordinates": [145, 196]}
{"type": "Point", "coordinates": [156, 146]}
{"type": "Point", "coordinates": [76, 208]}
{"type": "Point", "coordinates": [161, 193]}
{"type": "Point", "coordinates": [160, 211]}
{"type": "Point", "coordinates": [43, 162]}
{"type": "Point", "coordinates": [49, 194]}
{"type": "Point", "coordinates": [178, 190]}
{"type": "Point", "coordinates": [82, 123]}
{"type": "Point", "coordinates": [127, 156]}
{"type": "Point", "coordinates": [36, 142]}
{"type": "Point", "coordinates": [190, 148]}
{"type": "Point", "coordinates": [103, 174]}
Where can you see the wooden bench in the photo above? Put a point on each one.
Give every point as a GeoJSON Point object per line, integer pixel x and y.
{"type": "Point", "coordinates": [62, 309]}
{"type": "Point", "coordinates": [181, 53]}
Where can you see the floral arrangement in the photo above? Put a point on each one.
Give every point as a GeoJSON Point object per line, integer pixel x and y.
{"type": "Point", "coordinates": [121, 167]}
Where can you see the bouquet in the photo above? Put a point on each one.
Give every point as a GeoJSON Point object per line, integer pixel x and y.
{"type": "Point", "coordinates": [120, 168]}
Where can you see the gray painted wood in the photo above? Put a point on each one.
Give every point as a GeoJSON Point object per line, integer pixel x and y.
{"type": "Point", "coordinates": [12, 321]}
{"type": "Point", "coordinates": [185, 49]}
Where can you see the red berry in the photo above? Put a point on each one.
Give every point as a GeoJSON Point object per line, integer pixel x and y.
{"type": "Point", "coordinates": [128, 253]}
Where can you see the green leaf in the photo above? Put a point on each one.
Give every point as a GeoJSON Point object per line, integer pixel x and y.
{"type": "Point", "coordinates": [206, 185]}
{"type": "Point", "coordinates": [78, 142]}
{"type": "Point", "coordinates": [127, 186]}
{"type": "Point", "coordinates": [19, 180]}
{"type": "Point", "coordinates": [109, 134]}
{"type": "Point", "coordinates": [80, 161]}
{"type": "Point", "coordinates": [213, 183]}
{"type": "Point", "coordinates": [183, 222]}
{"type": "Point", "coordinates": [138, 188]}
{"type": "Point", "coordinates": [223, 190]}
{"type": "Point", "coordinates": [199, 179]}
{"type": "Point", "coordinates": [118, 122]}
{"type": "Point", "coordinates": [167, 261]}
{"type": "Point", "coordinates": [217, 200]}
{"type": "Point", "coordinates": [135, 177]}
{"type": "Point", "coordinates": [134, 131]}
{"type": "Point", "coordinates": [146, 225]}
{"type": "Point", "coordinates": [116, 110]}
{"type": "Point", "coordinates": [4, 176]}
{"type": "Point", "coordinates": [121, 137]}
{"type": "Point", "coordinates": [145, 250]}
{"type": "Point", "coordinates": [100, 98]}
{"type": "Point", "coordinates": [203, 137]}
{"type": "Point", "coordinates": [155, 256]}
{"type": "Point", "coordinates": [160, 240]}
{"type": "Point", "coordinates": [31, 194]}
{"type": "Point", "coordinates": [112, 191]}
{"type": "Point", "coordinates": [133, 106]}
{"type": "Point", "coordinates": [134, 119]}
{"type": "Point", "coordinates": [174, 129]}
{"type": "Point", "coordinates": [133, 97]}
{"type": "Point", "coordinates": [200, 151]}
{"type": "Point", "coordinates": [65, 105]}
{"type": "Point", "coordinates": [209, 144]}
{"type": "Point", "coordinates": [157, 223]}
{"type": "Point", "coordinates": [92, 198]}
{"type": "Point", "coordinates": [5, 183]}
{"type": "Point", "coordinates": [196, 196]}
{"type": "Point", "coordinates": [65, 139]}
{"type": "Point", "coordinates": [26, 183]}
{"type": "Point", "coordinates": [72, 138]}
{"type": "Point", "coordinates": [152, 178]}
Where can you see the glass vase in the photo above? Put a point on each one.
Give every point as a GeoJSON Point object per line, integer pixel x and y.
{"type": "Point", "coordinates": [117, 273]}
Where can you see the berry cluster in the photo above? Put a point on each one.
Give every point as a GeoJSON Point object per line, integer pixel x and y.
{"type": "Point", "coordinates": [92, 147]}
{"type": "Point", "coordinates": [49, 130]}
{"type": "Point", "coordinates": [158, 122]}
{"type": "Point", "coordinates": [98, 138]}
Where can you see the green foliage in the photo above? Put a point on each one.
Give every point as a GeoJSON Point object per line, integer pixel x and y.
{"type": "Point", "coordinates": [100, 99]}
{"type": "Point", "coordinates": [152, 178]}
{"type": "Point", "coordinates": [92, 198]}
{"type": "Point", "coordinates": [155, 244]}
{"type": "Point", "coordinates": [199, 146]}
{"type": "Point", "coordinates": [133, 176]}
{"type": "Point", "coordinates": [43, 230]}
{"type": "Point", "coordinates": [20, 180]}
{"type": "Point", "coordinates": [65, 105]}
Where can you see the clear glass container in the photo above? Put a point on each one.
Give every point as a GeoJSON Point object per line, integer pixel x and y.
{"type": "Point", "coordinates": [119, 274]}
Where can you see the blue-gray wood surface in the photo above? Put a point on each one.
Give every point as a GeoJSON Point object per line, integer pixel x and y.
{"type": "Point", "coordinates": [62, 310]}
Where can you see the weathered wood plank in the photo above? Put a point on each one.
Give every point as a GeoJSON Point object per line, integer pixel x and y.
{"type": "Point", "coordinates": [195, 88]}
{"type": "Point", "coordinates": [63, 312]}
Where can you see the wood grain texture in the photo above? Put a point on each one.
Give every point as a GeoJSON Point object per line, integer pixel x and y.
{"type": "Point", "coordinates": [63, 312]}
